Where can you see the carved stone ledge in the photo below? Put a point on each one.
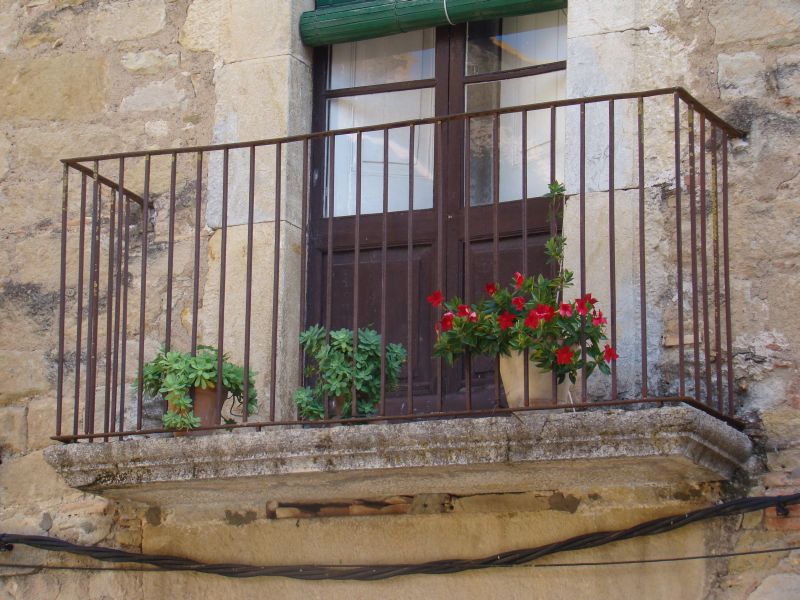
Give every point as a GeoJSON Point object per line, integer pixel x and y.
{"type": "Point", "coordinates": [530, 452]}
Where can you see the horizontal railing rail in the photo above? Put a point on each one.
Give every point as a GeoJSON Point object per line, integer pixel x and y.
{"type": "Point", "coordinates": [244, 245]}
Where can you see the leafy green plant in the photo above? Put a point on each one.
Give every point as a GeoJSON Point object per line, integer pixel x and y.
{"type": "Point", "coordinates": [336, 368]}
{"type": "Point", "coordinates": [173, 374]}
{"type": "Point", "coordinates": [529, 314]}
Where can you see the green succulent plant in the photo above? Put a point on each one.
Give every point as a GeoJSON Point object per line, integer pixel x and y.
{"type": "Point", "coordinates": [336, 369]}
{"type": "Point", "coordinates": [172, 375]}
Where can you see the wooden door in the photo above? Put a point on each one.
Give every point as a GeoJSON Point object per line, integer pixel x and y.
{"type": "Point", "coordinates": [402, 255]}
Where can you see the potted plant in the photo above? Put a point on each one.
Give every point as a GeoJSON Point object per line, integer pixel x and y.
{"type": "Point", "coordinates": [529, 314]}
{"type": "Point", "coordinates": [189, 385]}
{"type": "Point", "coordinates": [336, 368]}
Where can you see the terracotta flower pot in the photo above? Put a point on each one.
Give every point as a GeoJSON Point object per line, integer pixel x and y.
{"type": "Point", "coordinates": [204, 405]}
{"type": "Point", "coordinates": [540, 383]}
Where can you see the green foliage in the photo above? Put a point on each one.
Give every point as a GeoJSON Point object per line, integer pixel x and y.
{"type": "Point", "coordinates": [337, 368]}
{"type": "Point", "coordinates": [173, 374]}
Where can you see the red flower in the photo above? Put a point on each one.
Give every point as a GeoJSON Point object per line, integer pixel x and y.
{"type": "Point", "coordinates": [598, 318]}
{"type": "Point", "coordinates": [506, 320]}
{"type": "Point", "coordinates": [532, 320]}
{"type": "Point", "coordinates": [518, 279]}
{"type": "Point", "coordinates": [580, 306]}
{"type": "Point", "coordinates": [518, 302]}
{"type": "Point", "coordinates": [564, 355]}
{"type": "Point", "coordinates": [545, 311]}
{"type": "Point", "coordinates": [436, 298]}
{"type": "Point", "coordinates": [447, 321]}
{"type": "Point", "coordinates": [565, 310]}
{"type": "Point", "coordinates": [472, 316]}
{"type": "Point", "coordinates": [609, 354]}
{"type": "Point", "coordinates": [588, 298]}
{"type": "Point", "coordinates": [464, 310]}
{"type": "Point", "coordinates": [491, 288]}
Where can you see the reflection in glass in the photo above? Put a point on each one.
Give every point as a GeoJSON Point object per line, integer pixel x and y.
{"type": "Point", "coordinates": [374, 109]}
{"type": "Point", "coordinates": [403, 57]}
{"type": "Point", "coordinates": [513, 92]}
{"type": "Point", "coordinates": [516, 42]}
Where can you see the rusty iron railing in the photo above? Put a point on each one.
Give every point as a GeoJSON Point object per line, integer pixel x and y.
{"type": "Point", "coordinates": [118, 303]}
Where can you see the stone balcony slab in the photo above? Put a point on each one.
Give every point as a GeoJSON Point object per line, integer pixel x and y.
{"type": "Point", "coordinates": [528, 452]}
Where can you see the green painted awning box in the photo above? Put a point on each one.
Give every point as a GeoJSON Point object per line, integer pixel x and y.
{"type": "Point", "coordinates": [336, 21]}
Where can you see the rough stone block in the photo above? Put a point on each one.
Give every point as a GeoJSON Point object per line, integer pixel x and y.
{"type": "Point", "coordinates": [13, 433]}
{"type": "Point", "coordinates": [58, 87]}
{"type": "Point", "coordinates": [742, 75]}
{"type": "Point", "coordinates": [778, 587]}
{"type": "Point", "coordinates": [743, 20]}
{"type": "Point", "coordinates": [29, 481]}
{"type": "Point", "coordinates": [201, 29]}
{"type": "Point", "coordinates": [787, 76]}
{"type": "Point", "coordinates": [5, 156]}
{"type": "Point", "coordinates": [618, 15]}
{"type": "Point", "coordinates": [149, 62]}
{"type": "Point", "coordinates": [249, 108]}
{"type": "Point", "coordinates": [159, 95]}
{"type": "Point", "coordinates": [127, 20]}
{"type": "Point", "coordinates": [41, 419]}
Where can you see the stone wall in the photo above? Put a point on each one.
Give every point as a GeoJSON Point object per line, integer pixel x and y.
{"type": "Point", "coordinates": [82, 77]}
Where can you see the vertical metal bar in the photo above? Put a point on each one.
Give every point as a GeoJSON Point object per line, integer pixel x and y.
{"type": "Point", "coordinates": [110, 303]}
{"type": "Point", "coordinates": [223, 257]}
{"type": "Point", "coordinates": [525, 365]}
{"type": "Point", "coordinates": [612, 245]}
{"type": "Point", "coordinates": [467, 248]}
{"type": "Point", "coordinates": [642, 267]}
{"type": "Point", "coordinates": [248, 293]}
{"type": "Point", "coordinates": [716, 256]}
{"type": "Point", "coordinates": [582, 242]}
{"type": "Point", "coordinates": [496, 230]}
{"type": "Point", "coordinates": [124, 327]}
{"type": "Point", "coordinates": [727, 274]}
{"type": "Point", "coordinates": [704, 264]}
{"type": "Point", "coordinates": [356, 260]}
{"type": "Point", "coordinates": [303, 244]}
{"type": "Point", "coordinates": [171, 249]}
{"type": "Point", "coordinates": [693, 227]}
{"type": "Point", "coordinates": [117, 291]}
{"type": "Point", "coordinates": [410, 275]}
{"type": "Point", "coordinates": [198, 201]}
{"type": "Point", "coordinates": [329, 258]}
{"type": "Point", "coordinates": [79, 315]}
{"type": "Point", "coordinates": [143, 294]}
{"type": "Point", "coordinates": [553, 230]}
{"type": "Point", "coordinates": [94, 288]}
{"type": "Point", "coordinates": [679, 245]}
{"type": "Point", "coordinates": [384, 258]}
{"type": "Point", "coordinates": [276, 273]}
{"type": "Point", "coordinates": [439, 174]}
{"type": "Point", "coordinates": [62, 296]}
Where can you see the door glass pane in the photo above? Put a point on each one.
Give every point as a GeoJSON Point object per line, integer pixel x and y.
{"type": "Point", "coordinates": [516, 42]}
{"type": "Point", "coordinates": [403, 57]}
{"type": "Point", "coordinates": [375, 109]}
{"type": "Point", "coordinates": [514, 92]}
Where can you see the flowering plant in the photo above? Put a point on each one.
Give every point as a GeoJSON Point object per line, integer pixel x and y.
{"type": "Point", "coordinates": [529, 314]}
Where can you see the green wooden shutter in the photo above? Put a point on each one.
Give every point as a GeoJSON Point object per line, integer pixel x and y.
{"type": "Point", "coordinates": [336, 21]}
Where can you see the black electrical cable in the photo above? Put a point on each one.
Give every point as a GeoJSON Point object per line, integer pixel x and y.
{"type": "Point", "coordinates": [377, 572]}
{"type": "Point", "coordinates": [603, 563]}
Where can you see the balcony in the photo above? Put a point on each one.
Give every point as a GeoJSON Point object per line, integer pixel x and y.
{"type": "Point", "coordinates": [242, 246]}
